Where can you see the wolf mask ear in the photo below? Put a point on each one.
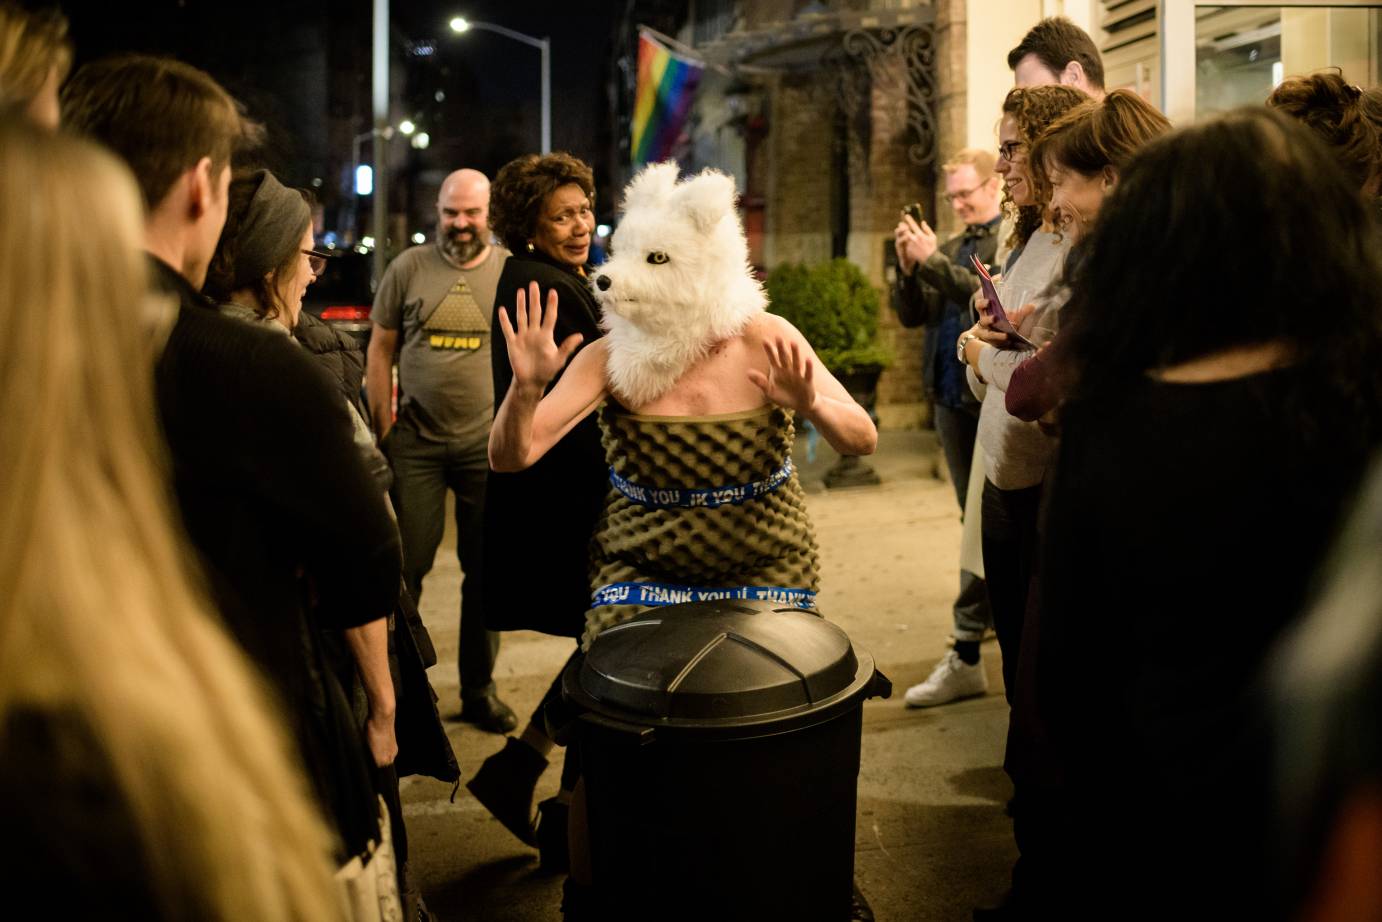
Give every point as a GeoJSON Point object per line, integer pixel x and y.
{"type": "Point", "coordinates": [706, 198]}
{"type": "Point", "coordinates": [652, 184]}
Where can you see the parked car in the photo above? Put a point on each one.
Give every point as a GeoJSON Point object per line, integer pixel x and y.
{"type": "Point", "coordinates": [342, 294]}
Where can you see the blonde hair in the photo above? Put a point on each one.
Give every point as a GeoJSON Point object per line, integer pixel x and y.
{"type": "Point", "coordinates": [32, 45]}
{"type": "Point", "coordinates": [982, 160]}
{"type": "Point", "coordinates": [99, 614]}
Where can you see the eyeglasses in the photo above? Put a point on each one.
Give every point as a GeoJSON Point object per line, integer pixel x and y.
{"type": "Point", "coordinates": [316, 260]}
{"type": "Point", "coordinates": [953, 197]}
{"type": "Point", "coordinates": [1008, 151]}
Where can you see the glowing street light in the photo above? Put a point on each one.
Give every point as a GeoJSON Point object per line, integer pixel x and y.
{"type": "Point", "coordinates": [459, 25]}
{"type": "Point", "coordinates": [421, 140]}
{"type": "Point", "coordinates": [406, 127]}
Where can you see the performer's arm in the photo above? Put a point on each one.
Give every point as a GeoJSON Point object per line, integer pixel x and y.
{"type": "Point", "coordinates": [796, 379]}
{"type": "Point", "coordinates": [528, 424]}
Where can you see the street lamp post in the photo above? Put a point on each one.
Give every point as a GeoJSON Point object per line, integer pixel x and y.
{"type": "Point", "coordinates": [380, 107]}
{"type": "Point", "coordinates": [460, 24]}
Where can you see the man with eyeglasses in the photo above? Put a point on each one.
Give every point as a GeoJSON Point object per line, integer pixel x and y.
{"type": "Point", "coordinates": [933, 288]}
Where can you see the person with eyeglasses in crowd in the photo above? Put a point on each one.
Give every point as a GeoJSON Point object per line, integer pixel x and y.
{"type": "Point", "coordinates": [934, 283]}
{"type": "Point", "coordinates": [262, 266]}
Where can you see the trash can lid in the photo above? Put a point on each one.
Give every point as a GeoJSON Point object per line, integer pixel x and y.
{"type": "Point", "coordinates": [720, 662]}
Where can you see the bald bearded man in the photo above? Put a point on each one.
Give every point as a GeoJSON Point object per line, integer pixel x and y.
{"type": "Point", "coordinates": [432, 312]}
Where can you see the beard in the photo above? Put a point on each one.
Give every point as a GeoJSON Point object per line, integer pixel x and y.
{"type": "Point", "coordinates": [462, 249]}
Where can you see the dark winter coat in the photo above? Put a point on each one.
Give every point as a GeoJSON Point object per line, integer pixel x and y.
{"type": "Point", "coordinates": [245, 414]}
{"type": "Point", "coordinates": [544, 515]}
{"type": "Point", "coordinates": [423, 746]}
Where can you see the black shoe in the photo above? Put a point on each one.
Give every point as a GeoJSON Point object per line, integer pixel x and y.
{"type": "Point", "coordinates": [552, 844]}
{"type": "Point", "coordinates": [504, 786]}
{"type": "Point", "coordinates": [489, 713]}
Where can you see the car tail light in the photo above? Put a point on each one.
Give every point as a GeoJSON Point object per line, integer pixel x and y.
{"type": "Point", "coordinates": [346, 312]}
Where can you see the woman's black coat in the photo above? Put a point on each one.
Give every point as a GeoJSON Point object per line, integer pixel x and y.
{"type": "Point", "coordinates": [538, 522]}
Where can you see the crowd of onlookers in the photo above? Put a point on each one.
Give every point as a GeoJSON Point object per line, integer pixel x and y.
{"type": "Point", "coordinates": [207, 659]}
{"type": "Point", "coordinates": [1159, 419]}
{"type": "Point", "coordinates": [1173, 406]}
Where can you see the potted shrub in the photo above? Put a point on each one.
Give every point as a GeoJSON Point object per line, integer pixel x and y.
{"type": "Point", "coordinates": [836, 309]}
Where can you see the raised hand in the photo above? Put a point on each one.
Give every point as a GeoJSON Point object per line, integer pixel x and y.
{"type": "Point", "coordinates": [790, 379]}
{"type": "Point", "coordinates": [984, 329]}
{"type": "Point", "coordinates": [914, 242]}
{"type": "Point", "coordinates": [534, 354]}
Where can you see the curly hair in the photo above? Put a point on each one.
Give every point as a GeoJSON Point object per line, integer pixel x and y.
{"type": "Point", "coordinates": [1032, 109]}
{"type": "Point", "coordinates": [220, 275]}
{"type": "Point", "coordinates": [1346, 117]}
{"type": "Point", "coordinates": [517, 194]}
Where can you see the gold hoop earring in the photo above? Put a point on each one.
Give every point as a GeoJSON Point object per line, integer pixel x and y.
{"type": "Point", "coordinates": [530, 246]}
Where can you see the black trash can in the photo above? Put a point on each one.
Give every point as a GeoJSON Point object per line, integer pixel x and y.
{"type": "Point", "coordinates": [720, 752]}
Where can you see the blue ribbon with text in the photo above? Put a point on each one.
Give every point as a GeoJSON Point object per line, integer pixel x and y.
{"type": "Point", "coordinates": [657, 594]}
{"type": "Point", "coordinates": [700, 498]}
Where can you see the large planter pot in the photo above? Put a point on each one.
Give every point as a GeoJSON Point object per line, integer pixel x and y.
{"type": "Point", "coordinates": [850, 470]}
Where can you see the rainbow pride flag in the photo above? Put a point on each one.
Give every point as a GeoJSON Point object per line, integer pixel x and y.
{"type": "Point", "coordinates": [666, 88]}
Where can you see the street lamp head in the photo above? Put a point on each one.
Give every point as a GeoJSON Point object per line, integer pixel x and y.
{"type": "Point", "coordinates": [421, 140]}
{"type": "Point", "coordinates": [406, 127]}
{"type": "Point", "coordinates": [460, 24]}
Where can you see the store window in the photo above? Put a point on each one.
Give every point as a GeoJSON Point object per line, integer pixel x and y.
{"type": "Point", "coordinates": [1217, 56]}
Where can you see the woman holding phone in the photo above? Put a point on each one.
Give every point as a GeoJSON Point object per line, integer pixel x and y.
{"type": "Point", "coordinates": [1016, 453]}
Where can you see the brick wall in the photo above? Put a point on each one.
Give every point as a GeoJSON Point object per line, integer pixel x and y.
{"type": "Point", "coordinates": [797, 225]}
{"type": "Point", "coordinates": [798, 181]}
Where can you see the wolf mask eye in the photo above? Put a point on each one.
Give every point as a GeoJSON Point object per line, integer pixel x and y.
{"type": "Point", "coordinates": [657, 257]}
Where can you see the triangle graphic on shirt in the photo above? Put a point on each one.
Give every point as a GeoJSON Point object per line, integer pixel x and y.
{"type": "Point", "coordinates": [458, 312]}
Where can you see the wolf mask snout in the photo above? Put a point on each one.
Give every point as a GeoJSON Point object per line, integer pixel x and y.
{"type": "Point", "coordinates": [603, 282]}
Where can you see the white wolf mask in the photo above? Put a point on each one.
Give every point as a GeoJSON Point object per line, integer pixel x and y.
{"type": "Point", "coordinates": [678, 280]}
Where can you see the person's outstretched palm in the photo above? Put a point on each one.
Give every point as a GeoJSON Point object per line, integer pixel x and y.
{"type": "Point", "coordinates": [789, 382]}
{"type": "Point", "coordinates": [534, 354]}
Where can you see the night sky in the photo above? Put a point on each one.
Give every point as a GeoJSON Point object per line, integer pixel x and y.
{"type": "Point", "coordinates": [303, 69]}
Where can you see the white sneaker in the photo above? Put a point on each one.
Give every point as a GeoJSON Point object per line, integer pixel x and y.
{"type": "Point", "coordinates": [951, 680]}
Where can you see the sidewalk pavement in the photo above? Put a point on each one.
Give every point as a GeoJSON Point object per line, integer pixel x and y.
{"type": "Point", "coordinates": [932, 841]}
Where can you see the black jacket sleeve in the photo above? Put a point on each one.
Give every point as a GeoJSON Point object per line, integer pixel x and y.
{"type": "Point", "coordinates": [268, 482]}
{"type": "Point", "coordinates": [299, 452]}
{"type": "Point", "coordinates": [919, 298]}
{"type": "Point", "coordinates": [941, 273]}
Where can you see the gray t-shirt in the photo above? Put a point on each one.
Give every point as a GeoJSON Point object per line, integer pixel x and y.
{"type": "Point", "coordinates": [446, 390]}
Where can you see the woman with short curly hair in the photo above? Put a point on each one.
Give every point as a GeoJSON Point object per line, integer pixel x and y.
{"type": "Point", "coordinates": [518, 202]}
{"type": "Point", "coordinates": [541, 207]}
{"type": "Point", "coordinates": [1016, 453]}
{"type": "Point", "coordinates": [1027, 111]}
